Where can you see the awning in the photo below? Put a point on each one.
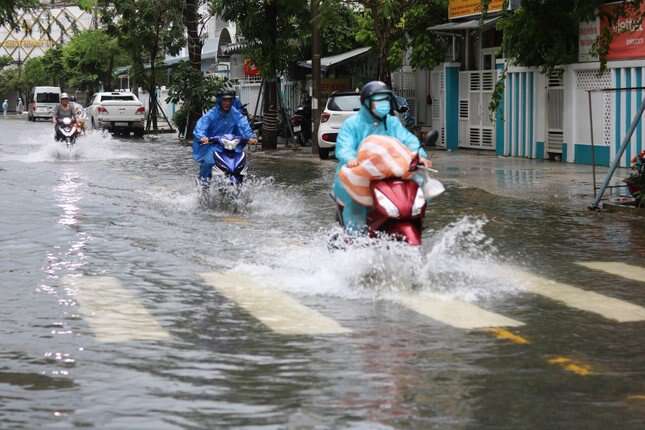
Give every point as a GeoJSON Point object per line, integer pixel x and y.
{"type": "Point", "coordinates": [333, 60]}
{"type": "Point", "coordinates": [473, 24]}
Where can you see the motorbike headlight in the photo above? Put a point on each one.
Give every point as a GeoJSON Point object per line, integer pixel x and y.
{"type": "Point", "coordinates": [230, 144]}
{"type": "Point", "coordinates": [67, 121]}
{"type": "Point", "coordinates": [390, 208]}
{"type": "Point", "coordinates": [419, 203]}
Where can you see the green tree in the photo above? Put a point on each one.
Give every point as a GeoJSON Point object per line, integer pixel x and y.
{"type": "Point", "coordinates": [35, 73]}
{"type": "Point", "coordinates": [89, 59]}
{"type": "Point", "coordinates": [9, 11]}
{"type": "Point", "coordinates": [189, 87]}
{"type": "Point", "coordinates": [427, 49]}
{"type": "Point", "coordinates": [55, 67]}
{"type": "Point", "coordinates": [271, 29]}
{"type": "Point", "coordinates": [147, 30]}
{"type": "Point", "coordinates": [338, 24]}
{"type": "Point", "coordinates": [382, 25]}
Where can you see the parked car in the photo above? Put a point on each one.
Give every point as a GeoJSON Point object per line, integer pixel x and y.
{"type": "Point", "coordinates": [42, 102]}
{"type": "Point", "coordinates": [339, 107]}
{"type": "Point", "coordinates": [118, 112]}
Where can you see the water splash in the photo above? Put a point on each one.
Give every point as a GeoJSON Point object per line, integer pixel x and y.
{"type": "Point", "coordinates": [95, 146]}
{"type": "Point", "coordinates": [458, 261]}
{"type": "Point", "coordinates": [256, 196]}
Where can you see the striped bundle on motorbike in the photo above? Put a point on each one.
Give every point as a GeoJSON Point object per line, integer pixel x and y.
{"type": "Point", "coordinates": [379, 157]}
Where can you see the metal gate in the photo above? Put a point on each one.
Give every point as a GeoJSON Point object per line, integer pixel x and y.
{"type": "Point", "coordinates": [437, 96]}
{"type": "Point", "coordinates": [555, 112]}
{"type": "Point", "coordinates": [476, 125]}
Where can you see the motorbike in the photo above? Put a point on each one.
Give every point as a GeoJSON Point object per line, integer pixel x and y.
{"type": "Point", "coordinates": [230, 158]}
{"type": "Point", "coordinates": [254, 121]}
{"type": "Point", "coordinates": [67, 131]}
{"type": "Point", "coordinates": [297, 121]}
{"type": "Point", "coordinates": [400, 204]}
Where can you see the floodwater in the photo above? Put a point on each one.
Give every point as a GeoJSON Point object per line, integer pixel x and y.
{"type": "Point", "coordinates": [115, 312]}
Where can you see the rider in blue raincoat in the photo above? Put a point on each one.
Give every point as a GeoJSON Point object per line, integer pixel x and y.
{"type": "Point", "coordinates": [223, 119]}
{"type": "Point", "coordinates": [375, 117]}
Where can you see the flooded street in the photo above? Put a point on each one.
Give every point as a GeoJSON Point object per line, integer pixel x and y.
{"type": "Point", "coordinates": [127, 305]}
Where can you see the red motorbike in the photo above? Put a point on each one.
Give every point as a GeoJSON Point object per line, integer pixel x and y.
{"type": "Point", "coordinates": [400, 204]}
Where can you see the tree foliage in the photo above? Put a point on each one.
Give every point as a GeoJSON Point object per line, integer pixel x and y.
{"type": "Point", "coordinates": [89, 59]}
{"type": "Point", "coordinates": [393, 27]}
{"type": "Point", "coordinates": [147, 30]}
{"type": "Point", "coordinates": [9, 11]}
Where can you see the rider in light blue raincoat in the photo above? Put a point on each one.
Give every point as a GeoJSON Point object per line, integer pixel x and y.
{"type": "Point", "coordinates": [375, 117]}
{"type": "Point", "coordinates": [223, 119]}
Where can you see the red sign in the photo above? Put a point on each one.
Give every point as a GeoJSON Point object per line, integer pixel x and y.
{"type": "Point", "coordinates": [628, 40]}
{"type": "Point", "coordinates": [250, 69]}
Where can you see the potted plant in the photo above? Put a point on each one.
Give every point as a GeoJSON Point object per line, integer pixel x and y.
{"type": "Point", "coordinates": [636, 181]}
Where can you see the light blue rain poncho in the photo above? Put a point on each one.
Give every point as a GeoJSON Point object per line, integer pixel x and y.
{"type": "Point", "coordinates": [354, 130]}
{"type": "Point", "coordinates": [216, 122]}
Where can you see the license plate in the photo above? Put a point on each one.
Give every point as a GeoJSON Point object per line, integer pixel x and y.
{"type": "Point", "coordinates": [120, 124]}
{"type": "Point", "coordinates": [297, 129]}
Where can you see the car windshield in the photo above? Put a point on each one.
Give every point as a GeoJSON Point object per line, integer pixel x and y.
{"type": "Point", "coordinates": [47, 98]}
{"type": "Point", "coordinates": [349, 102]}
{"type": "Point", "coordinates": [120, 98]}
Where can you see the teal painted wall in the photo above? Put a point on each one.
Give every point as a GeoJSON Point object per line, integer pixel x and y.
{"type": "Point", "coordinates": [583, 155]}
{"type": "Point", "coordinates": [564, 151]}
{"type": "Point", "coordinates": [539, 150]}
{"type": "Point", "coordinates": [452, 107]}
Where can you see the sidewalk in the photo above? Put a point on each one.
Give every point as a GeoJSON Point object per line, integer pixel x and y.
{"type": "Point", "coordinates": [545, 182]}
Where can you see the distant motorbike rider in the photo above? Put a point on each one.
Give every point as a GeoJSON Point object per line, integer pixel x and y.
{"type": "Point", "coordinates": [61, 111]}
{"type": "Point", "coordinates": [223, 118]}
{"type": "Point", "coordinates": [376, 117]}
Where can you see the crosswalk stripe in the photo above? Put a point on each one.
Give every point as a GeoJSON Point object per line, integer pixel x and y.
{"type": "Point", "coordinates": [112, 311]}
{"type": "Point", "coordinates": [623, 270]}
{"type": "Point", "coordinates": [275, 309]}
{"type": "Point", "coordinates": [577, 298]}
{"type": "Point", "coordinates": [454, 312]}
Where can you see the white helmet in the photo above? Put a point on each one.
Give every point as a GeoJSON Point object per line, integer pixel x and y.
{"type": "Point", "coordinates": [64, 96]}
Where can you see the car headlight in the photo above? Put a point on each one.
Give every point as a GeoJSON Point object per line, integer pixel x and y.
{"type": "Point", "coordinates": [419, 203]}
{"type": "Point", "coordinates": [391, 210]}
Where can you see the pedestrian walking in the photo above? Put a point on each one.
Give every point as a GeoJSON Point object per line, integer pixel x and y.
{"type": "Point", "coordinates": [5, 107]}
{"type": "Point", "coordinates": [19, 106]}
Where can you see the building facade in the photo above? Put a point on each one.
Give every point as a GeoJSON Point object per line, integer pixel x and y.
{"type": "Point", "coordinates": [52, 23]}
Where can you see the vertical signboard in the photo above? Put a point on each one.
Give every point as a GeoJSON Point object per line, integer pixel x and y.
{"type": "Point", "coordinates": [464, 8]}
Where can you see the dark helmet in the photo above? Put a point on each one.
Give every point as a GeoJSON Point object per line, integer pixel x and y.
{"type": "Point", "coordinates": [373, 88]}
{"type": "Point", "coordinates": [226, 94]}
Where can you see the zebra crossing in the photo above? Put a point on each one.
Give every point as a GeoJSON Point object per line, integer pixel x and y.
{"type": "Point", "coordinates": [114, 313]}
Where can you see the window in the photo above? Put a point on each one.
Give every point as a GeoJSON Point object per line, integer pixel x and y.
{"type": "Point", "coordinates": [350, 102]}
{"type": "Point", "coordinates": [127, 98]}
{"type": "Point", "coordinates": [47, 98]}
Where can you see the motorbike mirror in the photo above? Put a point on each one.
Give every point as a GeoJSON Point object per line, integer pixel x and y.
{"type": "Point", "coordinates": [431, 138]}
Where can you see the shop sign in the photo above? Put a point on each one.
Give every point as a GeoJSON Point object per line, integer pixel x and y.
{"type": "Point", "coordinates": [628, 40]}
{"type": "Point", "coordinates": [26, 43]}
{"type": "Point", "coordinates": [464, 8]}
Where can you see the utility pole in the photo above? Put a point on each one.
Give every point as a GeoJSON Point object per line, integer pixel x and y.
{"type": "Point", "coordinates": [315, 72]}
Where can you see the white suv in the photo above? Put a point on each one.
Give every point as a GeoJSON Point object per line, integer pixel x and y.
{"type": "Point", "coordinates": [339, 107]}
{"type": "Point", "coordinates": [119, 112]}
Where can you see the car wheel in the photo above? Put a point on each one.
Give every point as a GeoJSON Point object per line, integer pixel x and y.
{"type": "Point", "coordinates": [323, 153]}
{"type": "Point", "coordinates": [138, 133]}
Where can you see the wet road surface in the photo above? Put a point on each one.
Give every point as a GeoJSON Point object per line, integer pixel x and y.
{"type": "Point", "coordinates": [126, 305]}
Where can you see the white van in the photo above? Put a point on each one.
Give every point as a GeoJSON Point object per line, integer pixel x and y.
{"type": "Point", "coordinates": [42, 102]}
